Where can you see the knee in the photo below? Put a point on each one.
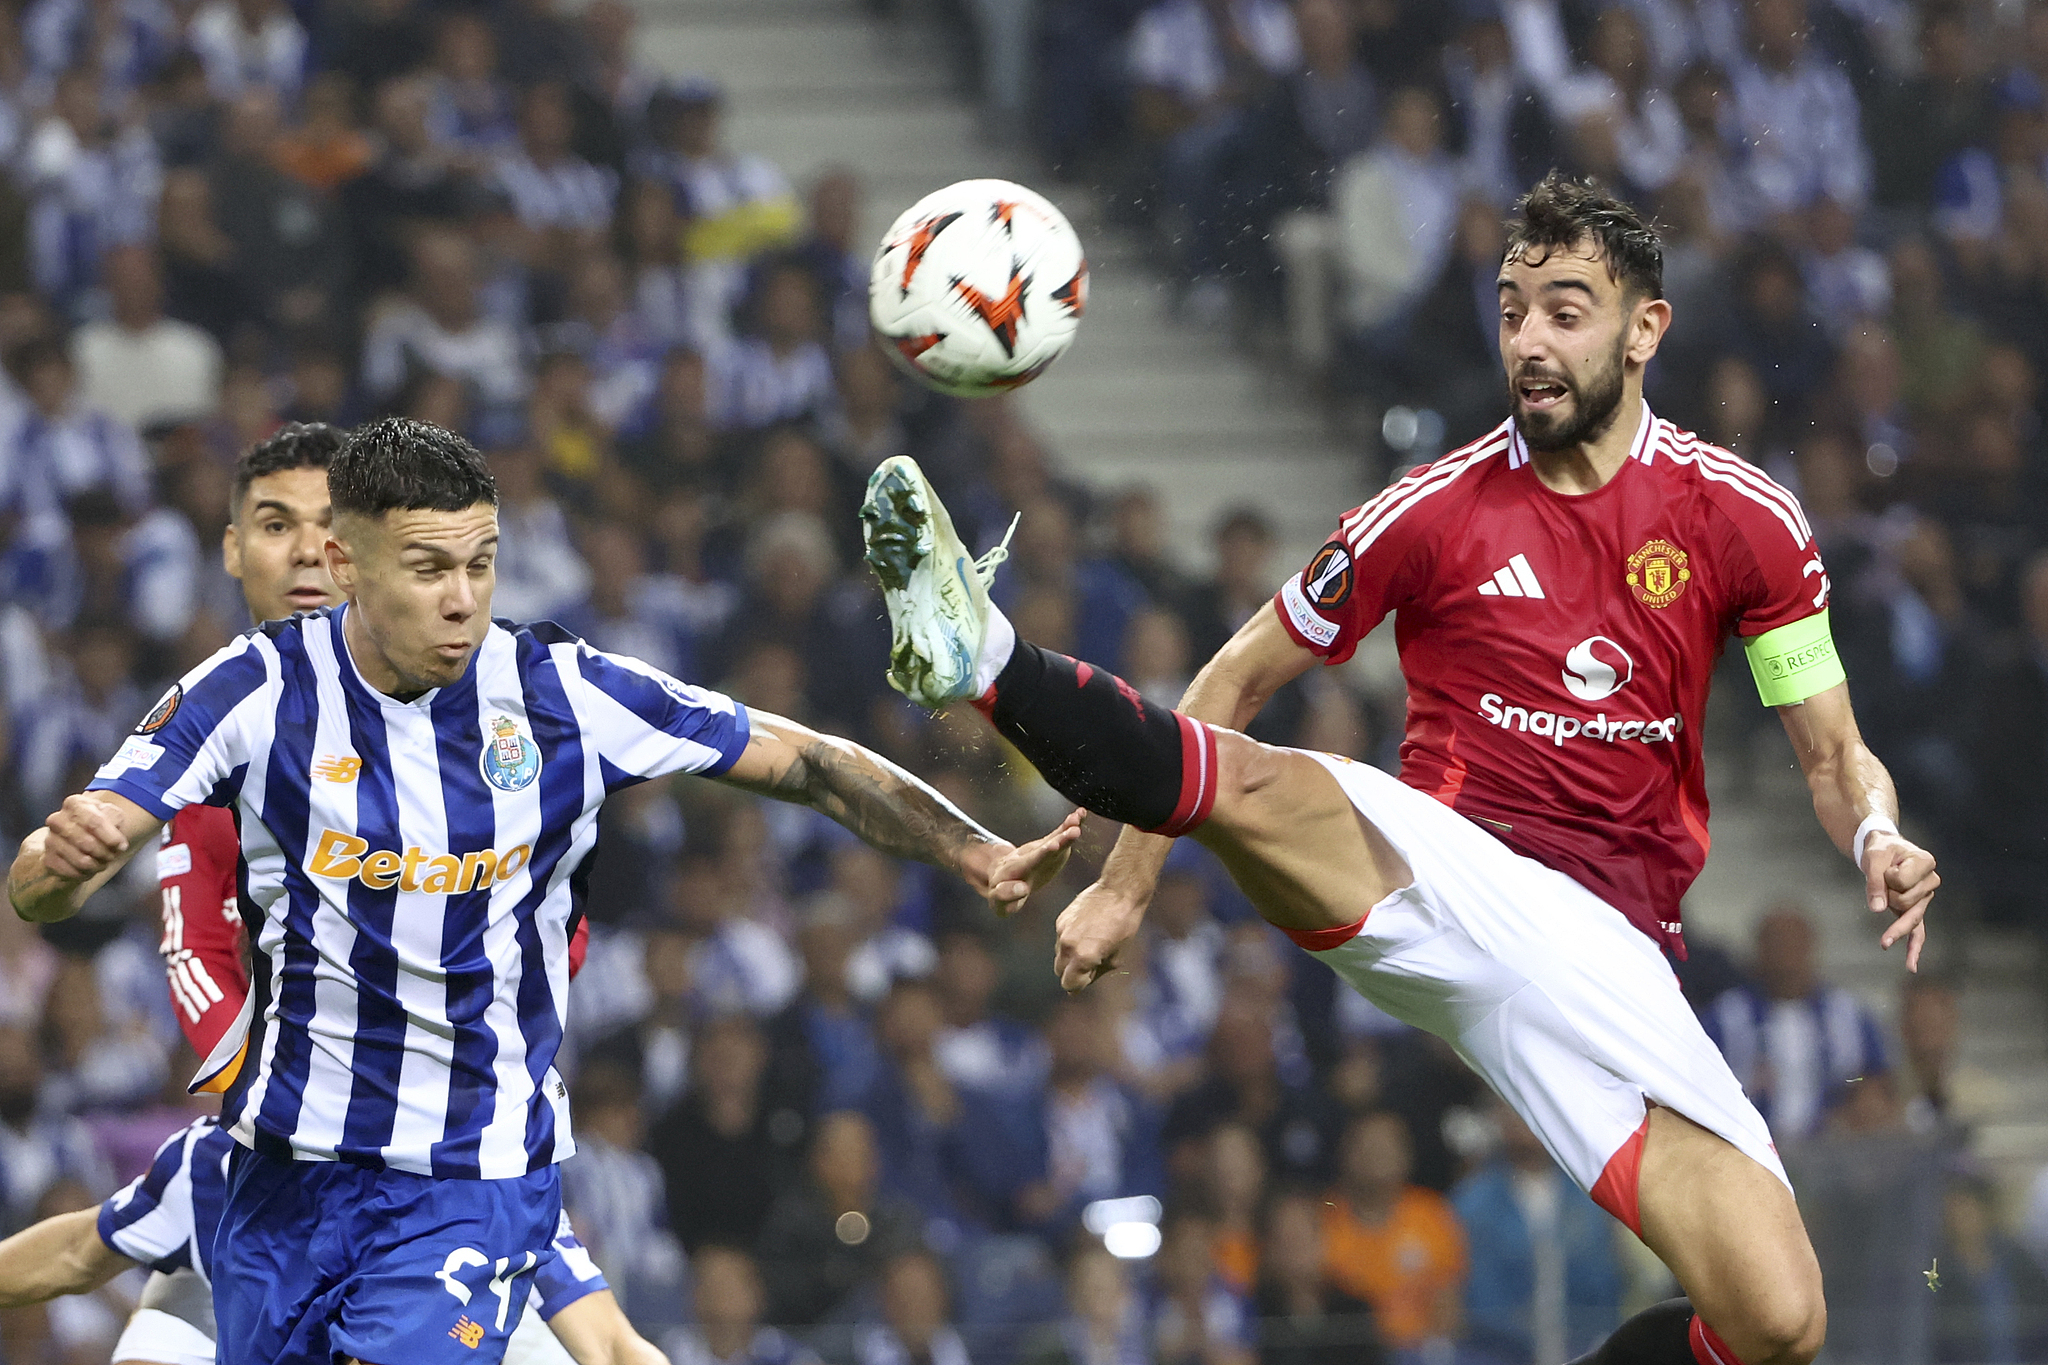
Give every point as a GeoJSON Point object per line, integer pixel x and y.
{"type": "Point", "coordinates": [1246, 771]}
{"type": "Point", "coordinates": [1787, 1327]}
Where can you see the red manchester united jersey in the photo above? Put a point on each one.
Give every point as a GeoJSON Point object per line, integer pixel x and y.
{"type": "Point", "coordinates": [1558, 648]}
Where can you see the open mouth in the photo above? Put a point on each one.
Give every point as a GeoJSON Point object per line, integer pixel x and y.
{"type": "Point", "coordinates": [1540, 393]}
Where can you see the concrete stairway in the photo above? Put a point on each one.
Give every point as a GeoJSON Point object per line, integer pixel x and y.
{"type": "Point", "coordinates": [814, 83]}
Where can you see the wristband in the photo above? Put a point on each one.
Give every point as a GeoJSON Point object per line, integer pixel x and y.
{"type": "Point", "coordinates": [1873, 823]}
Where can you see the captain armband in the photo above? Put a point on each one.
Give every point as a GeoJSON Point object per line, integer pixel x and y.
{"type": "Point", "coordinates": [1794, 662]}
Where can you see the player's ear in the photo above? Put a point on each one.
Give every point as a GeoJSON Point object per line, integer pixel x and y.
{"type": "Point", "coordinates": [231, 551]}
{"type": "Point", "coordinates": [341, 565]}
{"type": "Point", "coordinates": [1648, 322]}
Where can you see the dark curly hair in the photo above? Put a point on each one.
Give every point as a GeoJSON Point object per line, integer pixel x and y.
{"type": "Point", "coordinates": [399, 464]}
{"type": "Point", "coordinates": [295, 445]}
{"type": "Point", "coordinates": [1561, 214]}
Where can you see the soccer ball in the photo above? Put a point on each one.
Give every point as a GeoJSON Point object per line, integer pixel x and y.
{"type": "Point", "coordinates": [978, 287]}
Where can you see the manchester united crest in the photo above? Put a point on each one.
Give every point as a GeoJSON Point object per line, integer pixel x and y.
{"type": "Point", "coordinates": [510, 760]}
{"type": "Point", "coordinates": [1657, 573]}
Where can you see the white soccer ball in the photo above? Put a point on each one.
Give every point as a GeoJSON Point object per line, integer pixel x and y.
{"type": "Point", "coordinates": [978, 287]}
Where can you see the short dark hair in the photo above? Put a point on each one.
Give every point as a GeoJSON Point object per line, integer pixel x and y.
{"type": "Point", "coordinates": [1561, 213]}
{"type": "Point", "coordinates": [400, 464]}
{"type": "Point", "coordinates": [295, 445]}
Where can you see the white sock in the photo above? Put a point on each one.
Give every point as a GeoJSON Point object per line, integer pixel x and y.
{"type": "Point", "coordinates": [998, 643]}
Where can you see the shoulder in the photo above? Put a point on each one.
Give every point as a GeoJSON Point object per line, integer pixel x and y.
{"type": "Point", "coordinates": [1758, 506]}
{"type": "Point", "coordinates": [1420, 496]}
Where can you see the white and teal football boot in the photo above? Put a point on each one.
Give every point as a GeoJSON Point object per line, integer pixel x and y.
{"type": "Point", "coordinates": [937, 593]}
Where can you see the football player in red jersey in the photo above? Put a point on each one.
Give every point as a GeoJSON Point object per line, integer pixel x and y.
{"type": "Point", "coordinates": [1561, 589]}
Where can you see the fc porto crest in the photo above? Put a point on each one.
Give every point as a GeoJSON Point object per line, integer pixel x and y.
{"type": "Point", "coordinates": [1657, 573]}
{"type": "Point", "coordinates": [510, 760]}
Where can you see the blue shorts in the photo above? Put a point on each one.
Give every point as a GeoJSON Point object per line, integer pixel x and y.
{"type": "Point", "coordinates": [318, 1261]}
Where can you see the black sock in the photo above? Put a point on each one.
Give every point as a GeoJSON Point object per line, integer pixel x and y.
{"type": "Point", "coordinates": [1659, 1335]}
{"type": "Point", "coordinates": [1103, 746]}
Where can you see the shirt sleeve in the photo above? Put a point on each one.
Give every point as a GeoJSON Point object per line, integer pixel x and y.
{"type": "Point", "coordinates": [646, 724]}
{"type": "Point", "coordinates": [193, 745]}
{"type": "Point", "coordinates": [1369, 567]}
{"type": "Point", "coordinates": [151, 1220]}
{"type": "Point", "coordinates": [1787, 581]}
{"type": "Point", "coordinates": [202, 924]}
{"type": "Point", "coordinates": [566, 1276]}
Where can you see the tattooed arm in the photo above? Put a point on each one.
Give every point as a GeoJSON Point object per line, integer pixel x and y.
{"type": "Point", "coordinates": [892, 810]}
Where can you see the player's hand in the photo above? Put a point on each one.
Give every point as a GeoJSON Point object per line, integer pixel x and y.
{"type": "Point", "coordinates": [1007, 876]}
{"type": "Point", "coordinates": [1899, 876]}
{"type": "Point", "coordinates": [1092, 930]}
{"type": "Point", "coordinates": [83, 839]}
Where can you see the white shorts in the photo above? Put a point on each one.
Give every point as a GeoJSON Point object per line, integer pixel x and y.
{"type": "Point", "coordinates": [163, 1339]}
{"type": "Point", "coordinates": [1566, 1009]}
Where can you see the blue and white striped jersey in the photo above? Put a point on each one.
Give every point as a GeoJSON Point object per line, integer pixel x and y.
{"type": "Point", "coordinates": [412, 872]}
{"type": "Point", "coordinates": [154, 1220]}
{"type": "Point", "coordinates": [169, 1216]}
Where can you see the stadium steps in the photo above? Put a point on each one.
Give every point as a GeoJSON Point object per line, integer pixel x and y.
{"type": "Point", "coordinates": [818, 83]}
{"type": "Point", "coordinates": [1143, 398]}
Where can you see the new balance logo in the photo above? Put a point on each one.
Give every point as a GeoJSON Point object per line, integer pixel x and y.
{"type": "Point", "coordinates": [1516, 580]}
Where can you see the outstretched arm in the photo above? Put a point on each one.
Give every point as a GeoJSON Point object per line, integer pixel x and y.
{"type": "Point", "coordinates": [1230, 691]}
{"type": "Point", "coordinates": [595, 1331]}
{"type": "Point", "coordinates": [892, 810]}
{"type": "Point", "coordinates": [79, 848]}
{"type": "Point", "coordinates": [58, 1256]}
{"type": "Point", "coordinates": [1854, 798]}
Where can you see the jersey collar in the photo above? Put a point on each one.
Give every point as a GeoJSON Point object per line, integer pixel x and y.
{"type": "Point", "coordinates": [1643, 448]}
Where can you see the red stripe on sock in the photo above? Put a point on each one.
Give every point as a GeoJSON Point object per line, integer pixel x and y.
{"type": "Point", "coordinates": [1707, 1346]}
{"type": "Point", "coordinates": [1615, 1190]}
{"type": "Point", "coordinates": [1322, 940]}
{"type": "Point", "coordinates": [1197, 778]}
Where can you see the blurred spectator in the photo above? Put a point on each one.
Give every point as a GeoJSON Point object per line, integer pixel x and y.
{"type": "Point", "coordinates": [1304, 1318]}
{"type": "Point", "coordinates": [913, 1329]}
{"type": "Point", "coordinates": [1103, 1325]}
{"type": "Point", "coordinates": [1544, 1283]}
{"type": "Point", "coordinates": [1100, 1138]}
{"type": "Point", "coordinates": [97, 1061]}
{"type": "Point", "coordinates": [613, 1193]}
{"type": "Point", "coordinates": [781, 373]}
{"type": "Point", "coordinates": [249, 44]}
{"type": "Point", "coordinates": [1849, 282]}
{"type": "Point", "coordinates": [471, 109]}
{"type": "Point", "coordinates": [1396, 208]}
{"type": "Point", "coordinates": [1917, 124]}
{"type": "Point", "coordinates": [978, 1050]}
{"type": "Point", "coordinates": [729, 1299]}
{"type": "Point", "coordinates": [1992, 1295]}
{"type": "Point", "coordinates": [1394, 1245]}
{"type": "Point", "coordinates": [553, 190]}
{"type": "Point", "coordinates": [327, 149]}
{"type": "Point", "coordinates": [412, 182]}
{"type": "Point", "coordinates": [1941, 1087]}
{"type": "Point", "coordinates": [39, 1143]}
{"type": "Point", "coordinates": [1196, 1318]}
{"type": "Point", "coordinates": [2011, 793]}
{"type": "Point", "coordinates": [140, 366]}
{"type": "Point", "coordinates": [1294, 1123]}
{"type": "Point", "coordinates": [440, 330]}
{"type": "Point", "coordinates": [1197, 68]}
{"type": "Point", "coordinates": [1796, 112]}
{"type": "Point", "coordinates": [827, 1238]}
{"type": "Point", "coordinates": [884, 951]}
{"type": "Point", "coordinates": [1793, 1040]}
{"type": "Point", "coordinates": [92, 185]}
{"type": "Point", "coordinates": [1235, 1189]}
{"type": "Point", "coordinates": [722, 1156]}
{"type": "Point", "coordinates": [541, 574]}
{"type": "Point", "coordinates": [739, 963]}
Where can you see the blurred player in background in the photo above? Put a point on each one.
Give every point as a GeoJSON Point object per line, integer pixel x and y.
{"type": "Point", "coordinates": [1562, 588]}
{"type": "Point", "coordinates": [417, 791]}
{"type": "Point", "coordinates": [275, 547]}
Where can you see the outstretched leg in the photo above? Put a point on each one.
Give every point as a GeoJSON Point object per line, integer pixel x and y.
{"type": "Point", "coordinates": [1275, 817]}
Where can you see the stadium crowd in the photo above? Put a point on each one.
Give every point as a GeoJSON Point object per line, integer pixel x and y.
{"type": "Point", "coordinates": [826, 1105]}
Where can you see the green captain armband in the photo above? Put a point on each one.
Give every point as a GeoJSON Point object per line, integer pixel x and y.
{"type": "Point", "coordinates": [1795, 662]}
